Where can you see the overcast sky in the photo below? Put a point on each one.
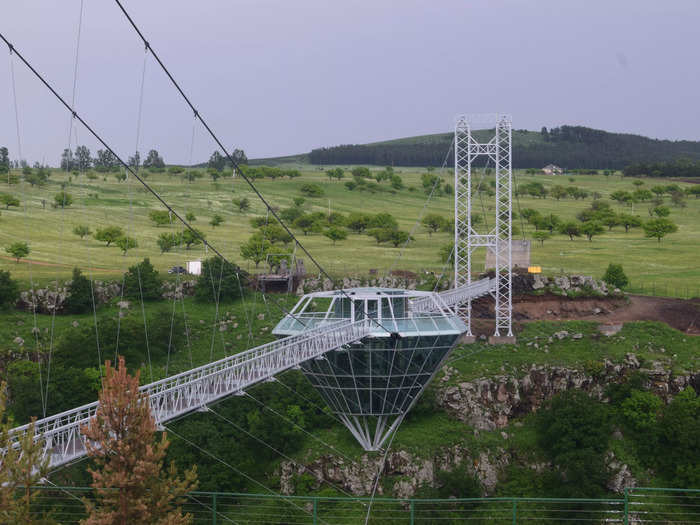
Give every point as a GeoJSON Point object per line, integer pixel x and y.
{"type": "Point", "coordinates": [281, 77]}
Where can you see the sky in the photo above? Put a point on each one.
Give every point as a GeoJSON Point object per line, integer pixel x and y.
{"type": "Point", "coordinates": [278, 77]}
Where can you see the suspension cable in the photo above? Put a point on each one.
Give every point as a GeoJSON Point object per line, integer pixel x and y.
{"type": "Point", "coordinates": [132, 172]}
{"type": "Point", "coordinates": [233, 161]}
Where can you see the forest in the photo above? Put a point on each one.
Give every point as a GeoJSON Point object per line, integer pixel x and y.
{"type": "Point", "coordinates": [571, 147]}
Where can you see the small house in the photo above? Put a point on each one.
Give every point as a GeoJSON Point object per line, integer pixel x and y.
{"type": "Point", "coordinates": [551, 169]}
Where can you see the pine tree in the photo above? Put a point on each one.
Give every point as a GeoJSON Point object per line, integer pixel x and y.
{"type": "Point", "coordinates": [130, 483]}
{"type": "Point", "coordinates": [22, 467]}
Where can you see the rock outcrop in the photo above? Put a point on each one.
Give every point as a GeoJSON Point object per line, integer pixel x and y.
{"type": "Point", "coordinates": [488, 404]}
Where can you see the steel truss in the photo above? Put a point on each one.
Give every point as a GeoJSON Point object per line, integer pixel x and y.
{"type": "Point", "coordinates": [454, 297]}
{"type": "Point", "coordinates": [186, 392]}
{"type": "Point", "coordinates": [467, 150]}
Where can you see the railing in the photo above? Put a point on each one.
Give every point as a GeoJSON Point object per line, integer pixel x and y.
{"type": "Point", "coordinates": [188, 391]}
{"type": "Point", "coordinates": [456, 296]}
{"type": "Point", "coordinates": [636, 506]}
{"type": "Point", "coordinates": [422, 323]}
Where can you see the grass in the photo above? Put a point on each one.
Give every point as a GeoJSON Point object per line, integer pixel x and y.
{"type": "Point", "coordinates": [668, 267]}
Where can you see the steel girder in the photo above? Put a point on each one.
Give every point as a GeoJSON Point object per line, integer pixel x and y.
{"type": "Point", "coordinates": [182, 393]}
{"type": "Point", "coordinates": [467, 239]}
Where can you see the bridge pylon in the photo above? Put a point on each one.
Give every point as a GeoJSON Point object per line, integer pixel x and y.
{"type": "Point", "coordinates": [493, 142]}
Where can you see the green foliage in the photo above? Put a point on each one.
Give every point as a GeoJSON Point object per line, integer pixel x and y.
{"type": "Point", "coordinates": [275, 233]}
{"type": "Point", "coordinates": [9, 290]}
{"type": "Point", "coordinates": [307, 224]}
{"type": "Point", "coordinates": [80, 298]}
{"type": "Point", "coordinates": [243, 204]}
{"type": "Point", "coordinates": [615, 276]}
{"type": "Point", "coordinates": [334, 233]}
{"type": "Point", "coordinates": [592, 228]}
{"type": "Point", "coordinates": [358, 222]}
{"type": "Point", "coordinates": [311, 190]}
{"type": "Point", "coordinates": [661, 211]}
{"type": "Point", "coordinates": [573, 430]}
{"type": "Point", "coordinates": [541, 236]}
{"type": "Point", "coordinates": [192, 237]}
{"type": "Point", "coordinates": [216, 220]}
{"type": "Point", "coordinates": [82, 231]}
{"type": "Point", "coordinates": [571, 229]}
{"type": "Point", "coordinates": [9, 200]}
{"type": "Point", "coordinates": [63, 199]}
{"type": "Point", "coordinates": [219, 281]}
{"type": "Point", "coordinates": [679, 428]}
{"type": "Point", "coordinates": [629, 221]}
{"type": "Point", "coordinates": [255, 248]}
{"type": "Point", "coordinates": [659, 228]}
{"type": "Point", "coordinates": [159, 217]}
{"type": "Point", "coordinates": [190, 217]}
{"type": "Point", "coordinates": [167, 241]}
{"type": "Point", "coordinates": [433, 222]}
{"type": "Point", "coordinates": [126, 243]}
{"type": "Point", "coordinates": [447, 253]}
{"type": "Point", "coordinates": [384, 220]}
{"type": "Point", "coordinates": [109, 234]}
{"type": "Point", "coordinates": [18, 250]}
{"type": "Point", "coordinates": [142, 281]}
{"type": "Point", "coordinates": [640, 411]}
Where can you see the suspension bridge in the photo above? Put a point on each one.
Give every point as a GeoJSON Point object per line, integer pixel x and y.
{"type": "Point", "coordinates": [400, 337]}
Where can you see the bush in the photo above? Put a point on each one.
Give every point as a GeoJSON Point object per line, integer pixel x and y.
{"type": "Point", "coordinates": [311, 190]}
{"type": "Point", "coordinates": [143, 281]}
{"type": "Point", "coordinates": [9, 290]}
{"type": "Point", "coordinates": [615, 276]}
{"type": "Point", "coordinates": [219, 279]}
{"type": "Point", "coordinates": [80, 299]}
{"type": "Point", "coordinates": [573, 430]}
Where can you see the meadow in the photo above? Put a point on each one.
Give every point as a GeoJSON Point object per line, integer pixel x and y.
{"type": "Point", "coordinates": [668, 267]}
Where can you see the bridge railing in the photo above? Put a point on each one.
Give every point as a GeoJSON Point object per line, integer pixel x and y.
{"type": "Point", "coordinates": [190, 390]}
{"type": "Point", "coordinates": [456, 296]}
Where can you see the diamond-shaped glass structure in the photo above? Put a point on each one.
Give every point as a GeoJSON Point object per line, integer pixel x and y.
{"type": "Point", "coordinates": [372, 383]}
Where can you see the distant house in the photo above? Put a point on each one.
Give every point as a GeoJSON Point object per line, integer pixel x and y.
{"type": "Point", "coordinates": [551, 169]}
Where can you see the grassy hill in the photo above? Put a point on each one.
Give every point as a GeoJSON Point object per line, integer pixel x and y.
{"type": "Point", "coordinates": [669, 266]}
{"type": "Point", "coordinates": [568, 146]}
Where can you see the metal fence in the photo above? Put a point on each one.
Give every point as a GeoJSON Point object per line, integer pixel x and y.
{"type": "Point", "coordinates": [637, 506]}
{"type": "Point", "coordinates": [663, 289]}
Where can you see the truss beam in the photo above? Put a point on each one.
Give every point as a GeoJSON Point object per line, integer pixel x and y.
{"type": "Point", "coordinates": [189, 391]}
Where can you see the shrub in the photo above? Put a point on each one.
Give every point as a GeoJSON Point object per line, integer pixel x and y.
{"type": "Point", "coordinates": [18, 250]}
{"type": "Point", "coordinates": [219, 280]}
{"type": "Point", "coordinates": [9, 289]}
{"type": "Point", "coordinates": [80, 294]}
{"type": "Point", "coordinates": [143, 281]}
{"type": "Point", "coordinates": [615, 276]}
{"type": "Point", "coordinates": [311, 190]}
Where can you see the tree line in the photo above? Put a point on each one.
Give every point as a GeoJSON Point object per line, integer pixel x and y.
{"type": "Point", "coordinates": [567, 146]}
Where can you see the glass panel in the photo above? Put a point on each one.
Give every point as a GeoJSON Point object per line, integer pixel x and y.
{"type": "Point", "coordinates": [399, 305]}
{"type": "Point", "coordinates": [386, 312]}
{"type": "Point", "coordinates": [372, 308]}
{"type": "Point", "coordinates": [359, 309]}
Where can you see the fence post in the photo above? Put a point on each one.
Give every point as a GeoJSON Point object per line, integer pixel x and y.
{"type": "Point", "coordinates": [213, 508]}
{"type": "Point", "coordinates": [515, 511]}
{"type": "Point", "coordinates": [412, 509]}
{"type": "Point", "coordinates": [625, 517]}
{"type": "Point", "coordinates": [315, 511]}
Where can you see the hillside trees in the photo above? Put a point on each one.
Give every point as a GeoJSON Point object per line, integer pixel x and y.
{"type": "Point", "coordinates": [80, 298]}
{"type": "Point", "coordinates": [659, 228]}
{"type": "Point", "coordinates": [142, 281]}
{"type": "Point", "coordinates": [126, 243]}
{"type": "Point", "coordinates": [18, 250]}
{"type": "Point", "coordinates": [433, 223]}
{"type": "Point", "coordinates": [335, 233]}
{"type": "Point", "coordinates": [9, 200]}
{"type": "Point", "coordinates": [9, 290]}
{"type": "Point", "coordinates": [154, 161]}
{"type": "Point", "coordinates": [130, 481]}
{"type": "Point", "coordinates": [4, 160]}
{"type": "Point", "coordinates": [109, 234]}
{"type": "Point", "coordinates": [255, 249]}
{"type": "Point", "coordinates": [615, 276]}
{"type": "Point", "coordinates": [63, 199]}
{"type": "Point", "coordinates": [219, 281]}
{"type": "Point", "coordinates": [159, 217]}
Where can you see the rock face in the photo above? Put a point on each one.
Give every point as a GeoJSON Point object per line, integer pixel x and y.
{"type": "Point", "coordinates": [564, 285]}
{"type": "Point", "coordinates": [47, 300]}
{"type": "Point", "coordinates": [488, 404]}
{"type": "Point", "coordinates": [172, 290]}
{"type": "Point", "coordinates": [358, 478]}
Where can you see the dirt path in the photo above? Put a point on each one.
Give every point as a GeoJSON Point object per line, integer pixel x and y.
{"type": "Point", "coordinates": [684, 315]}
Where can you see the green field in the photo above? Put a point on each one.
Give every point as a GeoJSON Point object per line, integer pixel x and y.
{"type": "Point", "coordinates": [668, 266]}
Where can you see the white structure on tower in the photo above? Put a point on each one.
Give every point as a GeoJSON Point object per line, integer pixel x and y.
{"type": "Point", "coordinates": [496, 235]}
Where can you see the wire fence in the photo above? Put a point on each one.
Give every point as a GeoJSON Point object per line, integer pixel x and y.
{"type": "Point", "coordinates": [636, 506]}
{"type": "Point", "coordinates": [662, 289]}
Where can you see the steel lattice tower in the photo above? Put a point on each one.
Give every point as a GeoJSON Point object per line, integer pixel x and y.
{"type": "Point", "coordinates": [498, 239]}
